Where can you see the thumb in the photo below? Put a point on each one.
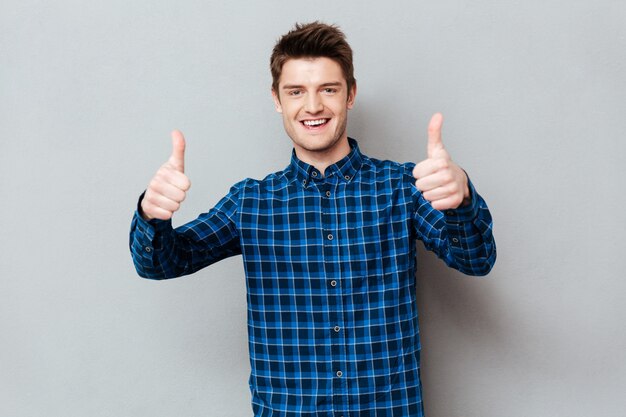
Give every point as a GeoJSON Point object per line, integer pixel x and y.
{"type": "Point", "coordinates": [435, 144]}
{"type": "Point", "coordinates": [177, 159]}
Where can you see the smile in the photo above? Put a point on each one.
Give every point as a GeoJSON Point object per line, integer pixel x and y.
{"type": "Point", "coordinates": [315, 123]}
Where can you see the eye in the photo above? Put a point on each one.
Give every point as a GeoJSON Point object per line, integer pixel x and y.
{"type": "Point", "coordinates": [294, 93]}
{"type": "Point", "coordinates": [329, 90]}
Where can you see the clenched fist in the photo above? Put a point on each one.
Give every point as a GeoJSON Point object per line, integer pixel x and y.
{"type": "Point", "coordinates": [169, 186]}
{"type": "Point", "coordinates": [441, 181]}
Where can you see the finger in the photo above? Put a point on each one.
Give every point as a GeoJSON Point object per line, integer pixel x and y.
{"type": "Point", "coordinates": [180, 180]}
{"type": "Point", "coordinates": [170, 175]}
{"type": "Point", "coordinates": [168, 190]}
{"type": "Point", "coordinates": [438, 193]}
{"type": "Point", "coordinates": [151, 211]}
{"type": "Point", "coordinates": [436, 180]}
{"type": "Point", "coordinates": [435, 144]}
{"type": "Point", "coordinates": [177, 159]}
{"type": "Point", "coordinates": [154, 199]}
{"type": "Point", "coordinates": [451, 202]}
{"type": "Point", "coordinates": [161, 201]}
{"type": "Point", "coordinates": [429, 166]}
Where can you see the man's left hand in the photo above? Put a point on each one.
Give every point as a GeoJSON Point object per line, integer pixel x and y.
{"type": "Point", "coordinates": [441, 181]}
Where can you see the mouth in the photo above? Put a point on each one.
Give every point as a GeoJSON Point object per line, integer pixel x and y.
{"type": "Point", "coordinates": [314, 123]}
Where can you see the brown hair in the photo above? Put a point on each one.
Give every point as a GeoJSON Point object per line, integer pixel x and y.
{"type": "Point", "coordinates": [312, 40]}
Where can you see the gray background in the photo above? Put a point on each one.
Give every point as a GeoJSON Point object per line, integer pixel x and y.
{"type": "Point", "coordinates": [534, 96]}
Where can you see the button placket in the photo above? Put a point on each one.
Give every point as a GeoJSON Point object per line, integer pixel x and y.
{"type": "Point", "coordinates": [326, 220]}
{"type": "Point", "coordinates": [333, 270]}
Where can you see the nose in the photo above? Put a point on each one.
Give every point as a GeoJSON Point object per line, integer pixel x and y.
{"type": "Point", "coordinates": [313, 104]}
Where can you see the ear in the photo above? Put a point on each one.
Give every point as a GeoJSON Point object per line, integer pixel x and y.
{"type": "Point", "coordinates": [351, 96]}
{"type": "Point", "coordinates": [279, 107]}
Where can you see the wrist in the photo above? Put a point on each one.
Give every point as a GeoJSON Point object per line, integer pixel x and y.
{"type": "Point", "coordinates": [140, 209]}
{"type": "Point", "coordinates": [467, 197]}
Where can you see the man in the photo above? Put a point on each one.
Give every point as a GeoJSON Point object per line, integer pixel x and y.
{"type": "Point", "coordinates": [328, 245]}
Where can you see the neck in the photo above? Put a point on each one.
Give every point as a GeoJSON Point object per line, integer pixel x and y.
{"type": "Point", "coordinates": [324, 158]}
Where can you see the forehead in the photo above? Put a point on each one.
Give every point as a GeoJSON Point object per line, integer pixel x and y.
{"type": "Point", "coordinates": [311, 71]}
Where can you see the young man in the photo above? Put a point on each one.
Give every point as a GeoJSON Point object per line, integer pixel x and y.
{"type": "Point", "coordinates": [328, 245]}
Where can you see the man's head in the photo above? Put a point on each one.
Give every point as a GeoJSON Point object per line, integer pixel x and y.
{"type": "Point", "coordinates": [313, 90]}
{"type": "Point", "coordinates": [312, 40]}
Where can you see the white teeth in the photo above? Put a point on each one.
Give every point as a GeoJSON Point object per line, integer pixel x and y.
{"type": "Point", "coordinates": [314, 122]}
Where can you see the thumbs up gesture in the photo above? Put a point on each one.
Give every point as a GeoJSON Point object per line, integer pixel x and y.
{"type": "Point", "coordinates": [169, 186]}
{"type": "Point", "coordinates": [441, 181]}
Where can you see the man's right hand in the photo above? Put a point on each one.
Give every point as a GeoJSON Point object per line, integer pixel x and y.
{"type": "Point", "coordinates": [169, 186]}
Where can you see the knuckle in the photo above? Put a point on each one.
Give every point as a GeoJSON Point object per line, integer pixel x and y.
{"type": "Point", "coordinates": [148, 198]}
{"type": "Point", "coordinates": [159, 177]}
{"type": "Point", "coordinates": [146, 206]}
{"type": "Point", "coordinates": [162, 169]}
{"type": "Point", "coordinates": [165, 215]}
{"type": "Point", "coordinates": [165, 171]}
{"type": "Point", "coordinates": [154, 184]}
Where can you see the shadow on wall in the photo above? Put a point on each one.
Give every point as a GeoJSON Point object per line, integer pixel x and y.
{"type": "Point", "coordinates": [382, 133]}
{"type": "Point", "coordinates": [458, 313]}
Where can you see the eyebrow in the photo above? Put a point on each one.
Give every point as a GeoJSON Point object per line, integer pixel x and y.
{"type": "Point", "coordinates": [329, 84]}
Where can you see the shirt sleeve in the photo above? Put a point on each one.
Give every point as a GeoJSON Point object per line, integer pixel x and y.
{"type": "Point", "coordinates": [160, 252]}
{"type": "Point", "coordinates": [462, 237]}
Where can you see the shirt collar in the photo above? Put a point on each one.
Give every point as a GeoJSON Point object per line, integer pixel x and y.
{"type": "Point", "coordinates": [344, 169]}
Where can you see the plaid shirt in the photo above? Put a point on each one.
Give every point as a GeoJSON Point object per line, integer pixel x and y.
{"type": "Point", "coordinates": [330, 276]}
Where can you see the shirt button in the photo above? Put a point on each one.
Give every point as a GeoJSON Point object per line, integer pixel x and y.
{"type": "Point", "coordinates": [314, 173]}
{"type": "Point", "coordinates": [347, 177]}
{"type": "Point", "coordinates": [303, 182]}
{"type": "Point", "coordinates": [455, 240]}
{"type": "Point", "coordinates": [336, 329]}
{"type": "Point", "coordinates": [450, 213]}
{"type": "Point", "coordinates": [148, 249]}
{"type": "Point", "coordinates": [333, 283]}
{"type": "Point", "coordinates": [339, 374]}
{"type": "Point", "coordinates": [330, 237]}
{"type": "Point", "coordinates": [327, 193]}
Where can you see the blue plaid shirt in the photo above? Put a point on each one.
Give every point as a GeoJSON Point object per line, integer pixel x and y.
{"type": "Point", "coordinates": [330, 276]}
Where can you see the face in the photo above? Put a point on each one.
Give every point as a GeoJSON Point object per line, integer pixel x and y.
{"type": "Point", "coordinates": [314, 100]}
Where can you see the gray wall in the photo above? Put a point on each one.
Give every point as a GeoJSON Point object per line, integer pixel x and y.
{"type": "Point", "coordinates": [534, 97]}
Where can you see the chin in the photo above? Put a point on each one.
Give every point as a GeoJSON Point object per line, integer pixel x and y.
{"type": "Point", "coordinates": [317, 144]}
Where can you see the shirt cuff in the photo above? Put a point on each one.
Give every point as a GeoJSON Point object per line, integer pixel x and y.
{"type": "Point", "coordinates": [148, 228]}
{"type": "Point", "coordinates": [464, 213]}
